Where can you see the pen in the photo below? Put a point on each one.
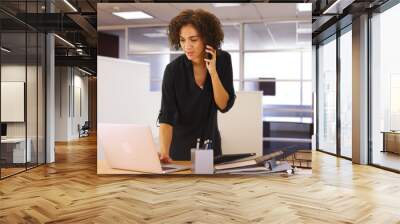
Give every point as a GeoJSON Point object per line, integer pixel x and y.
{"type": "Point", "coordinates": [205, 144]}
{"type": "Point", "coordinates": [209, 145]}
{"type": "Point", "coordinates": [198, 144]}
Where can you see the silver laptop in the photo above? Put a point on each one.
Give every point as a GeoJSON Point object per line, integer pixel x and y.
{"type": "Point", "coordinates": [131, 147]}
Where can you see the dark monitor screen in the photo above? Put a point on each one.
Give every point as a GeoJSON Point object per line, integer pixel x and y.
{"type": "Point", "coordinates": [268, 86]}
{"type": "Point", "coordinates": [3, 129]}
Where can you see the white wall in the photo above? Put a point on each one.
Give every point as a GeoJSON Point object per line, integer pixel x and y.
{"type": "Point", "coordinates": [61, 103]}
{"type": "Point", "coordinates": [123, 97]}
{"type": "Point", "coordinates": [80, 103]}
{"type": "Point", "coordinates": [69, 84]}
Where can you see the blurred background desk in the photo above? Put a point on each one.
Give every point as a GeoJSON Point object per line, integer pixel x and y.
{"type": "Point", "coordinates": [13, 150]}
{"type": "Point", "coordinates": [391, 141]}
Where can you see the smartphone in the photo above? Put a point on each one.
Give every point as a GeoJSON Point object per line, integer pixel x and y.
{"type": "Point", "coordinates": [208, 55]}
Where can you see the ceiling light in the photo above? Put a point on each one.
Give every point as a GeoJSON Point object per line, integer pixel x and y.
{"type": "Point", "coordinates": [338, 6]}
{"type": "Point", "coordinates": [164, 31]}
{"type": "Point", "coordinates": [133, 15]}
{"type": "Point", "coordinates": [304, 7]}
{"type": "Point", "coordinates": [304, 42]}
{"type": "Point", "coordinates": [64, 40]}
{"type": "Point", "coordinates": [5, 50]}
{"type": "Point", "coordinates": [225, 4]}
{"type": "Point", "coordinates": [304, 30]}
{"type": "Point", "coordinates": [331, 7]}
{"type": "Point", "coordinates": [84, 71]}
{"type": "Point", "coordinates": [154, 35]}
{"type": "Point", "coordinates": [70, 5]}
{"type": "Point", "coordinates": [79, 51]}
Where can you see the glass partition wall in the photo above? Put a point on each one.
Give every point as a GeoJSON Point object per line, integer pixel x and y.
{"type": "Point", "coordinates": [327, 78]}
{"type": "Point", "coordinates": [385, 89]}
{"type": "Point", "coordinates": [346, 93]}
{"type": "Point", "coordinates": [22, 77]}
{"type": "Point", "coordinates": [13, 90]}
{"type": "Point", "coordinates": [334, 101]}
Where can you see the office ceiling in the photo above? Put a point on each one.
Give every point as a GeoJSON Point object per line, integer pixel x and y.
{"type": "Point", "coordinates": [76, 26]}
{"type": "Point", "coordinates": [278, 29]}
{"type": "Point", "coordinates": [330, 16]}
{"type": "Point", "coordinates": [79, 27]}
{"type": "Point", "coordinates": [164, 12]}
{"type": "Point", "coordinates": [40, 5]}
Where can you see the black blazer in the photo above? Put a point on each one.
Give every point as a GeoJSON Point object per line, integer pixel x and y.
{"type": "Point", "coordinates": [191, 110]}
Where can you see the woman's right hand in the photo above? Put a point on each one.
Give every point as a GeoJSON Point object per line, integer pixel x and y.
{"type": "Point", "coordinates": [165, 142]}
{"type": "Point", "coordinates": [164, 157]}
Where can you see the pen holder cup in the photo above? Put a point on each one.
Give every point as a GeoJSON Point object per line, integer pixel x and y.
{"type": "Point", "coordinates": [202, 161]}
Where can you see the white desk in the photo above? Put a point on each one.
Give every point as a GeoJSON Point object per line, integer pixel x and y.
{"type": "Point", "coordinates": [18, 149]}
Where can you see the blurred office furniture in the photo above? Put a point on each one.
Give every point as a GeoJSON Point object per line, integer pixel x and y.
{"type": "Point", "coordinates": [300, 158]}
{"type": "Point", "coordinates": [267, 86]}
{"type": "Point", "coordinates": [108, 45]}
{"type": "Point", "coordinates": [13, 151]}
{"type": "Point", "coordinates": [84, 129]}
{"type": "Point", "coordinates": [284, 125]}
{"type": "Point", "coordinates": [285, 133]}
{"type": "Point", "coordinates": [391, 141]}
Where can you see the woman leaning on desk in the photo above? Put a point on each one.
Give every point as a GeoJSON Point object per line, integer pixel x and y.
{"type": "Point", "coordinates": [194, 87]}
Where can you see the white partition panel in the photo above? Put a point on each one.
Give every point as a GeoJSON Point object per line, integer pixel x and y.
{"type": "Point", "coordinates": [241, 128]}
{"type": "Point", "coordinates": [12, 101]}
{"type": "Point", "coordinates": [123, 95]}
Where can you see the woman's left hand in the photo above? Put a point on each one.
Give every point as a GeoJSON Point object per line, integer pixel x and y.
{"type": "Point", "coordinates": [211, 63]}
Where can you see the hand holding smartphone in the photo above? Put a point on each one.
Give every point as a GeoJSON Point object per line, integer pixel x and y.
{"type": "Point", "coordinates": [208, 55]}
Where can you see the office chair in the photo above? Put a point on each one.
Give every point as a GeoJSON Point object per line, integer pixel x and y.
{"type": "Point", "coordinates": [84, 130]}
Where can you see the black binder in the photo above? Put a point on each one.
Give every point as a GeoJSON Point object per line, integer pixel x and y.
{"type": "Point", "coordinates": [231, 157]}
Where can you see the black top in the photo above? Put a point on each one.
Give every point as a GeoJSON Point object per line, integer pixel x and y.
{"type": "Point", "coordinates": [191, 110]}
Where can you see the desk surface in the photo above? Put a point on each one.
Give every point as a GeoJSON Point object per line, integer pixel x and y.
{"type": "Point", "coordinates": [13, 140]}
{"type": "Point", "coordinates": [391, 132]}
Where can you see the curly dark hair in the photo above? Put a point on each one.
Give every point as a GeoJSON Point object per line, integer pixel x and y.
{"type": "Point", "coordinates": [206, 23]}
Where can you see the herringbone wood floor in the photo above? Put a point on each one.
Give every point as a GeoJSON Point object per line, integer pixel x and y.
{"type": "Point", "coordinates": [69, 191]}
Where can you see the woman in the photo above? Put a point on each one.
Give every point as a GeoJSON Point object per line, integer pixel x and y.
{"type": "Point", "coordinates": [194, 87]}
